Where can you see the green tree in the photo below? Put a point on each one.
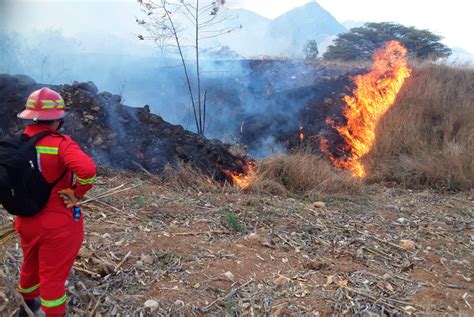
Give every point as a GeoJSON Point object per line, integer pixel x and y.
{"type": "Point", "coordinates": [361, 42]}
{"type": "Point", "coordinates": [311, 50]}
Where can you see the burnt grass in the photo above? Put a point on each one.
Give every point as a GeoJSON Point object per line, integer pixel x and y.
{"type": "Point", "coordinates": [119, 136]}
{"type": "Point", "coordinates": [220, 251]}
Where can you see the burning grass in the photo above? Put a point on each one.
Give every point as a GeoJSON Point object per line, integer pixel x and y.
{"type": "Point", "coordinates": [426, 139]}
{"type": "Point", "coordinates": [303, 175]}
{"type": "Point", "coordinates": [374, 95]}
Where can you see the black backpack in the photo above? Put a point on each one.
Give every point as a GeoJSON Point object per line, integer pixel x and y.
{"type": "Point", "coordinates": [23, 189]}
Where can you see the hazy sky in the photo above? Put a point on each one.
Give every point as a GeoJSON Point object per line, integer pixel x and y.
{"type": "Point", "coordinates": [451, 19]}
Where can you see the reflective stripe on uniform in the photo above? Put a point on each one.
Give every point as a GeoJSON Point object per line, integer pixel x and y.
{"type": "Point", "coordinates": [87, 181]}
{"type": "Point", "coordinates": [54, 302]}
{"type": "Point", "coordinates": [48, 104]}
{"type": "Point", "coordinates": [28, 290]}
{"type": "Point", "coordinates": [47, 150]}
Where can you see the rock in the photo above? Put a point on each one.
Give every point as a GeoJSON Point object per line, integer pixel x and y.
{"type": "Point", "coordinates": [238, 150]}
{"type": "Point", "coordinates": [229, 275]}
{"type": "Point", "coordinates": [409, 310]}
{"type": "Point", "coordinates": [315, 265]}
{"type": "Point", "coordinates": [89, 86]}
{"type": "Point", "coordinates": [401, 220]}
{"type": "Point", "coordinates": [152, 305]}
{"type": "Point", "coordinates": [392, 208]}
{"type": "Point", "coordinates": [319, 204]}
{"type": "Point", "coordinates": [253, 236]}
{"type": "Point", "coordinates": [98, 140]}
{"type": "Point", "coordinates": [281, 281]}
{"type": "Point", "coordinates": [408, 245]}
{"type": "Point", "coordinates": [147, 259]}
{"type": "Point", "coordinates": [179, 303]}
{"type": "Point", "coordinates": [105, 268]}
{"type": "Point", "coordinates": [84, 253]}
{"type": "Point", "coordinates": [139, 264]}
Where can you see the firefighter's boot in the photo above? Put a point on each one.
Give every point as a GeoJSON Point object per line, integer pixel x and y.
{"type": "Point", "coordinates": [33, 304]}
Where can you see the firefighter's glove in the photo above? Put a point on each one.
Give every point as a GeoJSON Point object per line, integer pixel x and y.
{"type": "Point", "coordinates": [68, 196]}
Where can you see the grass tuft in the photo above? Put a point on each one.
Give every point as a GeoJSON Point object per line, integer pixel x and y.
{"type": "Point", "coordinates": [303, 175]}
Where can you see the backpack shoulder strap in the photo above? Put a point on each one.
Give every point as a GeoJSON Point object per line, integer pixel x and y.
{"type": "Point", "coordinates": [33, 140]}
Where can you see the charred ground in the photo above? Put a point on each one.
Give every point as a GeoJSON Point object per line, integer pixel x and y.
{"type": "Point", "coordinates": [120, 136]}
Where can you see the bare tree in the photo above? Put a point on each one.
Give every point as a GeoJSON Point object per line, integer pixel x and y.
{"type": "Point", "coordinates": [182, 25]}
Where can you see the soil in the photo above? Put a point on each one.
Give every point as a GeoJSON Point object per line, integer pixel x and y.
{"type": "Point", "coordinates": [219, 251]}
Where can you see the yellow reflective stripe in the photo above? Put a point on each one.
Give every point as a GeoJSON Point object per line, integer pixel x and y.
{"type": "Point", "coordinates": [60, 103]}
{"type": "Point", "coordinates": [87, 181]}
{"type": "Point", "coordinates": [48, 104]}
{"type": "Point", "coordinates": [47, 150]}
{"type": "Point", "coordinates": [55, 302]}
{"type": "Point", "coordinates": [28, 290]}
{"type": "Point", "coordinates": [30, 103]}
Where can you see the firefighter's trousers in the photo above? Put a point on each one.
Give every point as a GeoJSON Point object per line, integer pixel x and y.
{"type": "Point", "coordinates": [48, 256]}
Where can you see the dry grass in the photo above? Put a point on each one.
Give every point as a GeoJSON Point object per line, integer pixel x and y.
{"type": "Point", "coordinates": [427, 138]}
{"type": "Point", "coordinates": [303, 175]}
{"type": "Point", "coordinates": [187, 176]}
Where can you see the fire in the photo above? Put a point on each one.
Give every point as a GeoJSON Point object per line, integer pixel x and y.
{"type": "Point", "coordinates": [245, 179]}
{"type": "Point", "coordinates": [374, 94]}
{"type": "Point", "coordinates": [301, 134]}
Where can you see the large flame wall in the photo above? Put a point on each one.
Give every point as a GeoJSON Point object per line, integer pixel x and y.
{"type": "Point", "coordinates": [374, 94]}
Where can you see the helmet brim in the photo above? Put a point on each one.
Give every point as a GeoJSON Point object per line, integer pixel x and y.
{"type": "Point", "coordinates": [35, 115]}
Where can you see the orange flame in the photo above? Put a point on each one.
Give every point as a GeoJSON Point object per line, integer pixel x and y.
{"type": "Point", "coordinates": [245, 179]}
{"type": "Point", "coordinates": [301, 134]}
{"type": "Point", "coordinates": [374, 94]}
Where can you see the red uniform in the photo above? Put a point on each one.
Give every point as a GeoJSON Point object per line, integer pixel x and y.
{"type": "Point", "coordinates": [51, 239]}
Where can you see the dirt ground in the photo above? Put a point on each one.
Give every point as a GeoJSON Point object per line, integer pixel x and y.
{"type": "Point", "coordinates": [155, 250]}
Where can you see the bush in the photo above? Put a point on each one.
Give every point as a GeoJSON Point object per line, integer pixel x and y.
{"type": "Point", "coordinates": [427, 137]}
{"type": "Point", "coordinates": [304, 175]}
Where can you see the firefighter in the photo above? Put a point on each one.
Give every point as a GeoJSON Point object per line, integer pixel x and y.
{"type": "Point", "coordinates": [51, 239]}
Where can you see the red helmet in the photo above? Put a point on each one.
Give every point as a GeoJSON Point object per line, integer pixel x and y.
{"type": "Point", "coordinates": [43, 105]}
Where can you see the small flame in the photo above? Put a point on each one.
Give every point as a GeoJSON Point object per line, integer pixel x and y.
{"type": "Point", "coordinates": [374, 95]}
{"type": "Point", "coordinates": [245, 179]}
{"type": "Point", "coordinates": [301, 134]}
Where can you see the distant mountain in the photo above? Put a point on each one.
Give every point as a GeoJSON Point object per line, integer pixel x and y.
{"type": "Point", "coordinates": [284, 36]}
{"type": "Point", "coordinates": [249, 30]}
{"type": "Point", "coordinates": [290, 32]}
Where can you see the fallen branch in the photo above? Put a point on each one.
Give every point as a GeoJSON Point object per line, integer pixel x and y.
{"type": "Point", "coordinates": [107, 194]}
{"type": "Point", "coordinates": [91, 273]}
{"type": "Point", "coordinates": [123, 260]}
{"type": "Point", "coordinates": [196, 233]}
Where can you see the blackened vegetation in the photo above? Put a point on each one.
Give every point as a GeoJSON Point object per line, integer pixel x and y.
{"type": "Point", "coordinates": [120, 136]}
{"type": "Point", "coordinates": [265, 105]}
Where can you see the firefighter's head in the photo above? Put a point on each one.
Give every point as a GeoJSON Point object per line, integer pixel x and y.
{"type": "Point", "coordinates": [44, 106]}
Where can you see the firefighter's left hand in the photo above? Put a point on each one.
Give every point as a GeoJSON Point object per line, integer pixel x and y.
{"type": "Point", "coordinates": [68, 196]}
